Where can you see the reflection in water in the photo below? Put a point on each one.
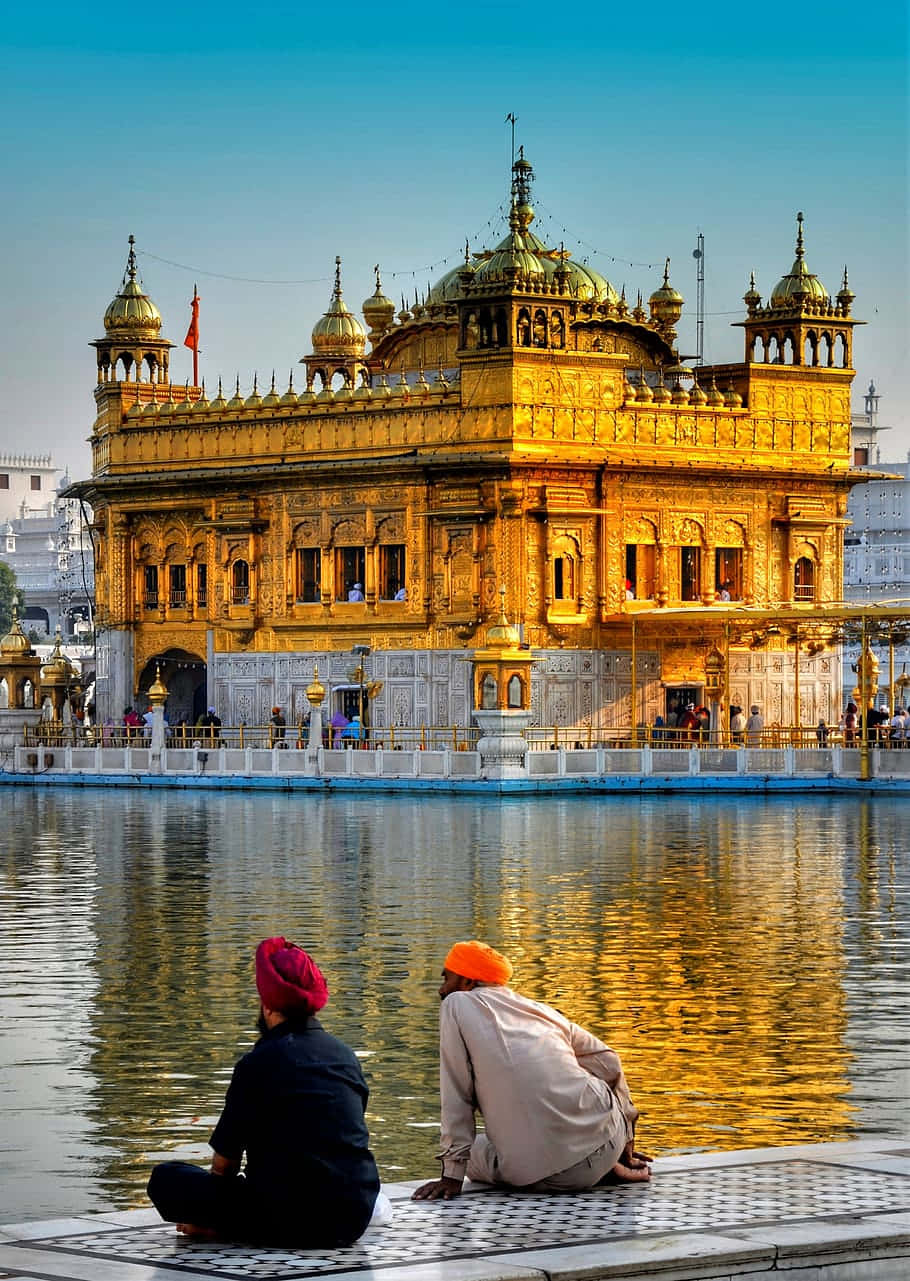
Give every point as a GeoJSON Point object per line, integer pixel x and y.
{"type": "Point", "coordinates": [748, 959]}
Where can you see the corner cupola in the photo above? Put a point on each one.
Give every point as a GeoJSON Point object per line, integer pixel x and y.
{"type": "Point", "coordinates": [132, 324]}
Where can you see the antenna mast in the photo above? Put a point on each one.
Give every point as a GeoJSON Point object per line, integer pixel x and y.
{"type": "Point", "coordinates": [698, 253]}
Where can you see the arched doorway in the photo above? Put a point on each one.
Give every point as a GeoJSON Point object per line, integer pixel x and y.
{"type": "Point", "coordinates": [184, 674]}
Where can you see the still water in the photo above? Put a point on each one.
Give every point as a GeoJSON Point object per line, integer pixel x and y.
{"type": "Point", "coordinates": [747, 958]}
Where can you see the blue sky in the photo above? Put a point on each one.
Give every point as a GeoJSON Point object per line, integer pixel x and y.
{"type": "Point", "coordinates": [258, 143]}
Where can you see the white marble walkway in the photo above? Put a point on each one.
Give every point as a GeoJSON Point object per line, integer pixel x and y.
{"type": "Point", "coordinates": [826, 1212]}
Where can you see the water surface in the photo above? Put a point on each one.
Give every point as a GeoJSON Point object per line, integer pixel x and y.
{"type": "Point", "coordinates": [747, 958]}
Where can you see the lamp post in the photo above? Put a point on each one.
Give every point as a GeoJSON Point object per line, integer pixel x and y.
{"type": "Point", "coordinates": [363, 706]}
{"type": "Point", "coordinates": [315, 693]}
{"type": "Point", "coordinates": [714, 689]}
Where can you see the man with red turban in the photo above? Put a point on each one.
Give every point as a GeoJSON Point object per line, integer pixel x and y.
{"type": "Point", "coordinates": [295, 1108]}
{"type": "Point", "coordinates": [555, 1104]}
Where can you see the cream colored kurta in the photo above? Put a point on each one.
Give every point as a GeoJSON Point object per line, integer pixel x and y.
{"type": "Point", "coordinates": [549, 1092]}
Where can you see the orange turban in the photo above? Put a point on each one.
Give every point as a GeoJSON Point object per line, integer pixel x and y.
{"type": "Point", "coordinates": [474, 960]}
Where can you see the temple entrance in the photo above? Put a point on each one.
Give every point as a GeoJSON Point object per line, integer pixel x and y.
{"type": "Point", "coordinates": [678, 697]}
{"type": "Point", "coordinates": [184, 674]}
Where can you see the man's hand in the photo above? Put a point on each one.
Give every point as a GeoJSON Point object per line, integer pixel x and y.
{"type": "Point", "coordinates": [632, 1166]}
{"type": "Point", "coordinates": [443, 1189]}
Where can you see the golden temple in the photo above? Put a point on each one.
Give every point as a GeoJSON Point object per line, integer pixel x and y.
{"type": "Point", "coordinates": [523, 425]}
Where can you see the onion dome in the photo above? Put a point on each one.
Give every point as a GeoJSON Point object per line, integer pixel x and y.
{"type": "Point", "coordinates": [511, 260]}
{"type": "Point", "coordinates": [441, 384]}
{"type": "Point", "coordinates": [799, 285]}
{"type": "Point", "coordinates": [15, 642]}
{"type": "Point", "coordinates": [157, 689]}
{"type": "Point", "coordinates": [132, 314]}
{"type": "Point", "coordinates": [219, 402]}
{"type": "Point", "coordinates": [643, 393]}
{"type": "Point", "coordinates": [326, 394]}
{"type": "Point", "coordinates": [846, 296]}
{"type": "Point", "coordinates": [715, 395]}
{"type": "Point", "coordinates": [307, 396]}
{"type": "Point", "coordinates": [638, 312]}
{"type": "Point", "coordinates": [315, 691]}
{"type": "Point", "coordinates": [679, 395]}
{"type": "Point", "coordinates": [254, 400]}
{"type": "Point", "coordinates": [365, 390]}
{"type": "Point", "coordinates": [383, 391]}
{"type": "Point", "coordinates": [135, 408]}
{"type": "Point", "coordinates": [289, 399]}
{"type": "Point", "coordinates": [185, 406]}
{"type": "Point", "coordinates": [698, 396]}
{"type": "Point", "coordinates": [662, 394]}
{"type": "Point", "coordinates": [236, 401]}
{"type": "Point", "coordinates": [401, 388]}
{"type": "Point", "coordinates": [170, 405]}
{"type": "Point", "coordinates": [732, 398]}
{"type": "Point", "coordinates": [338, 332]}
{"type": "Point", "coordinates": [378, 311]}
{"type": "Point", "coordinates": [752, 298]}
{"type": "Point", "coordinates": [666, 302]}
{"type": "Point", "coordinates": [58, 670]}
{"type": "Point", "coordinates": [202, 404]}
{"type": "Point", "coordinates": [628, 391]}
{"type": "Point", "coordinates": [421, 387]}
{"type": "Point", "coordinates": [345, 391]}
{"type": "Point", "coordinates": [151, 409]}
{"type": "Point", "coordinates": [502, 635]}
{"type": "Point", "coordinates": [270, 399]}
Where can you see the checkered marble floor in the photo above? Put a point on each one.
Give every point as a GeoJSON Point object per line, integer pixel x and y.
{"type": "Point", "coordinates": [715, 1194]}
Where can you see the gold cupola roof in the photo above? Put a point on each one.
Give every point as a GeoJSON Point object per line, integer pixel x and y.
{"type": "Point", "coordinates": [666, 302]}
{"type": "Point", "coordinates": [58, 670]}
{"type": "Point", "coordinates": [512, 259]}
{"type": "Point", "coordinates": [378, 311]}
{"type": "Point", "coordinates": [15, 642]}
{"type": "Point", "coordinates": [338, 332]}
{"type": "Point", "coordinates": [799, 285]}
{"type": "Point", "coordinates": [132, 313]}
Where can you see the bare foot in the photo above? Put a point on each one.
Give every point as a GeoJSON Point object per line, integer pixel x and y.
{"type": "Point", "coordinates": [194, 1230]}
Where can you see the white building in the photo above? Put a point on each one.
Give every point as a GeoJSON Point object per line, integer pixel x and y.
{"type": "Point", "coordinates": [46, 542]}
{"type": "Point", "coordinates": [877, 546]}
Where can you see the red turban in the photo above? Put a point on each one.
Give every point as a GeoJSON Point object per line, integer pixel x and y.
{"type": "Point", "coordinates": [288, 979]}
{"type": "Point", "coordinates": [474, 960]}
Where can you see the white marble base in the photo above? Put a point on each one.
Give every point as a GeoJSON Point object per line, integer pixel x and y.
{"type": "Point", "coordinates": [826, 1212]}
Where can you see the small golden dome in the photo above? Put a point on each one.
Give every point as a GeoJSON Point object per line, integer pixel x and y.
{"type": "Point", "coordinates": [202, 404]}
{"type": "Point", "coordinates": [158, 689]}
{"type": "Point", "coordinates": [383, 391]}
{"type": "Point", "coordinates": [290, 398]}
{"type": "Point", "coordinates": [512, 259]}
{"type": "Point", "coordinates": [151, 409]}
{"type": "Point", "coordinates": [186, 405]}
{"type": "Point", "coordinates": [666, 302]}
{"type": "Point", "coordinates": [502, 635]}
{"type": "Point", "coordinates": [752, 298]}
{"type": "Point", "coordinates": [15, 642]}
{"type": "Point", "coordinates": [715, 395]}
{"type": "Point", "coordinates": [698, 396]}
{"type": "Point", "coordinates": [401, 388]}
{"type": "Point", "coordinates": [58, 670]}
{"type": "Point", "coordinates": [315, 691]}
{"type": "Point", "coordinates": [236, 401]}
{"type": "Point", "coordinates": [679, 395]}
{"type": "Point", "coordinates": [270, 400]}
{"type": "Point", "coordinates": [643, 393]}
{"type": "Point", "coordinates": [338, 332]}
{"type": "Point", "coordinates": [132, 314]}
{"type": "Point", "coordinates": [364, 391]}
{"type": "Point", "coordinates": [799, 285]}
{"type": "Point", "coordinates": [732, 398]}
{"type": "Point", "coordinates": [254, 400]}
{"type": "Point", "coordinates": [169, 406]}
{"type": "Point", "coordinates": [219, 402]}
{"type": "Point", "coordinates": [378, 311]}
{"type": "Point", "coordinates": [846, 296]}
{"type": "Point", "coordinates": [662, 394]}
{"type": "Point", "coordinates": [307, 397]}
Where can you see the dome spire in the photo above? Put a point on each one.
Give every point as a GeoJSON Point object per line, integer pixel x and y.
{"type": "Point", "coordinates": [799, 236]}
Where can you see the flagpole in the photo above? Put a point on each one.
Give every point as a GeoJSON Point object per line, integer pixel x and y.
{"type": "Point", "coordinates": [196, 343]}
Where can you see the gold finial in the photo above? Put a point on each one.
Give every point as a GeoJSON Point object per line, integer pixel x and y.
{"type": "Point", "coordinates": [799, 235]}
{"type": "Point", "coordinates": [378, 279]}
{"type": "Point", "coordinates": [337, 276]}
{"type": "Point", "coordinates": [467, 253]}
{"type": "Point", "coordinates": [667, 272]}
{"type": "Point", "coordinates": [502, 605]}
{"type": "Point", "coordinates": [131, 259]}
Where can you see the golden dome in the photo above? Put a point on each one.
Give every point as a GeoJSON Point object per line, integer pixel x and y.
{"type": "Point", "coordinates": [158, 689]}
{"type": "Point", "coordinates": [132, 314]}
{"type": "Point", "coordinates": [378, 311]}
{"type": "Point", "coordinates": [271, 400]}
{"type": "Point", "coordinates": [58, 670]}
{"type": "Point", "coordinates": [253, 400]}
{"type": "Point", "coordinates": [512, 259]}
{"type": "Point", "coordinates": [289, 400]}
{"type": "Point", "coordinates": [315, 691]}
{"type": "Point", "coordinates": [15, 642]}
{"type": "Point", "coordinates": [338, 332]}
{"type": "Point", "coordinates": [799, 285]}
{"type": "Point", "coordinates": [502, 635]}
{"type": "Point", "coordinates": [236, 401]}
{"type": "Point", "coordinates": [666, 302]}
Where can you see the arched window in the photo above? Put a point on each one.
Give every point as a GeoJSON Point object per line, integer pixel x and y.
{"type": "Point", "coordinates": [758, 350]}
{"type": "Point", "coordinates": [515, 691]}
{"type": "Point", "coordinates": [523, 335]}
{"type": "Point", "coordinates": [563, 577]}
{"type": "Point", "coordinates": [840, 351]}
{"type": "Point", "coordinates": [488, 692]}
{"type": "Point", "coordinates": [788, 355]}
{"type": "Point", "coordinates": [804, 579]}
{"type": "Point", "coordinates": [240, 583]}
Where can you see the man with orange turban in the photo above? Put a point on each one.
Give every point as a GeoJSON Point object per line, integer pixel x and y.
{"type": "Point", "coordinates": [295, 1107]}
{"type": "Point", "coordinates": [555, 1104]}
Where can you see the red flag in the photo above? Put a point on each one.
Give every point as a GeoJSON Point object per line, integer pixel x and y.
{"type": "Point", "coordinates": [192, 335]}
